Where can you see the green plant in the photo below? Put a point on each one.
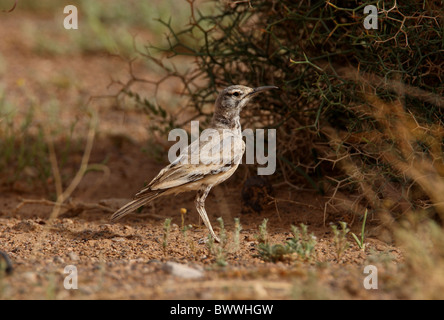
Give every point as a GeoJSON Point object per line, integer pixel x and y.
{"type": "Point", "coordinates": [184, 228]}
{"type": "Point", "coordinates": [273, 252]}
{"type": "Point", "coordinates": [340, 238]}
{"type": "Point", "coordinates": [31, 150]}
{"type": "Point", "coordinates": [166, 233]}
{"type": "Point", "coordinates": [105, 26]}
{"type": "Point", "coordinates": [236, 234]}
{"type": "Point", "coordinates": [217, 251]}
{"type": "Point", "coordinates": [303, 243]}
{"type": "Point", "coordinates": [222, 233]}
{"type": "Point", "coordinates": [262, 237]}
{"type": "Point", "coordinates": [24, 154]}
{"type": "Point", "coordinates": [267, 251]}
{"type": "Point", "coordinates": [360, 242]}
{"type": "Point", "coordinates": [222, 250]}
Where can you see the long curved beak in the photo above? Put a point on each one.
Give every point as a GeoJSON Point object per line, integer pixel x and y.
{"type": "Point", "coordinates": [260, 89]}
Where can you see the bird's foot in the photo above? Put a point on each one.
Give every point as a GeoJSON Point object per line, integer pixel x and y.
{"type": "Point", "coordinates": [205, 240]}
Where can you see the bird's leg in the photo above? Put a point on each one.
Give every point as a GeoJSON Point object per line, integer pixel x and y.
{"type": "Point", "coordinates": [200, 206]}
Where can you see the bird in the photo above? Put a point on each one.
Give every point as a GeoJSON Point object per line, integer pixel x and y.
{"type": "Point", "coordinates": [214, 167]}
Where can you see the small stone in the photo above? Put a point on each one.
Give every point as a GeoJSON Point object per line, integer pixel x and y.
{"type": "Point", "coordinates": [182, 270]}
{"type": "Point", "coordinates": [58, 259]}
{"type": "Point", "coordinates": [138, 260]}
{"type": "Point", "coordinates": [73, 256]}
{"type": "Point", "coordinates": [30, 276]}
{"type": "Point", "coordinates": [380, 247]}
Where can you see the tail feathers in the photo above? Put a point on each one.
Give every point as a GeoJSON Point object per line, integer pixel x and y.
{"type": "Point", "coordinates": [133, 205]}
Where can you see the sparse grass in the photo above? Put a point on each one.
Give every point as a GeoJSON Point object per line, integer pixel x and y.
{"type": "Point", "coordinates": [236, 234]}
{"type": "Point", "coordinates": [360, 242]}
{"type": "Point", "coordinates": [24, 154]}
{"type": "Point", "coordinates": [219, 250]}
{"type": "Point", "coordinates": [262, 237]}
{"type": "Point", "coordinates": [166, 234]}
{"type": "Point", "coordinates": [303, 243]}
{"type": "Point", "coordinates": [25, 144]}
{"type": "Point", "coordinates": [104, 26]}
{"type": "Point", "coordinates": [184, 229]}
{"type": "Point", "coordinates": [228, 246]}
{"type": "Point", "coordinates": [340, 238]}
{"type": "Point", "coordinates": [222, 233]}
{"type": "Point", "coordinates": [274, 252]}
{"type": "Point", "coordinates": [301, 246]}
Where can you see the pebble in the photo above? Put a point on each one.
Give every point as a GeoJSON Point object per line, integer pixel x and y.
{"type": "Point", "coordinates": [73, 256]}
{"type": "Point", "coordinates": [30, 276]}
{"type": "Point", "coordinates": [58, 259]}
{"type": "Point", "coordinates": [182, 270]}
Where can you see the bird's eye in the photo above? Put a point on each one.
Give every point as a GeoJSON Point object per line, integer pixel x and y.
{"type": "Point", "coordinates": [236, 94]}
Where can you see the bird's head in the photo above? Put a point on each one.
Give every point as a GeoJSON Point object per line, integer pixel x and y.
{"type": "Point", "coordinates": [236, 97]}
